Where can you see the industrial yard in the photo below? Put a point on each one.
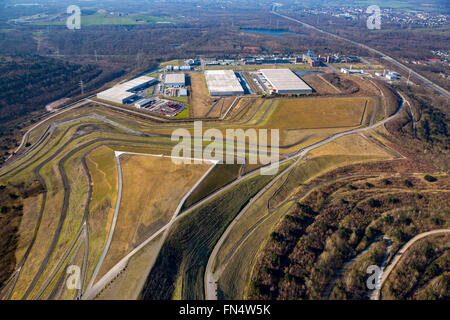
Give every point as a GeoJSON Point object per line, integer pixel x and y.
{"type": "Point", "coordinates": [209, 93]}
{"type": "Point", "coordinates": [183, 91]}
{"type": "Point", "coordinates": [282, 81]}
{"type": "Point", "coordinates": [140, 93]}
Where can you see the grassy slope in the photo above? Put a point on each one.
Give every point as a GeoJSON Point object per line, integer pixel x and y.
{"type": "Point", "coordinates": [221, 175]}
{"type": "Point", "coordinates": [190, 243]}
{"type": "Point", "coordinates": [343, 151]}
{"type": "Point", "coordinates": [152, 190]}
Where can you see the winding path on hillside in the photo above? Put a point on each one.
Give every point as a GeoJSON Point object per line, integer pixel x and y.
{"type": "Point", "coordinates": [401, 252]}
{"type": "Point", "coordinates": [298, 155]}
{"type": "Point", "coordinates": [210, 277]}
{"type": "Point", "coordinates": [93, 290]}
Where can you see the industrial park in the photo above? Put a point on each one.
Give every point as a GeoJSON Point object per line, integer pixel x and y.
{"type": "Point", "coordinates": [170, 91]}
{"type": "Point", "coordinates": [158, 94]}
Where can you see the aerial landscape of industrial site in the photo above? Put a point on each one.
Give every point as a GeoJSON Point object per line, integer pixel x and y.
{"type": "Point", "coordinates": [224, 150]}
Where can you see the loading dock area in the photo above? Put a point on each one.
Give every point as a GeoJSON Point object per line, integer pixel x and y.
{"type": "Point", "coordinates": [283, 81]}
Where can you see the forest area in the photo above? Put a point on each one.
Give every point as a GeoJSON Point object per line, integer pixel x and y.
{"type": "Point", "coordinates": [30, 82]}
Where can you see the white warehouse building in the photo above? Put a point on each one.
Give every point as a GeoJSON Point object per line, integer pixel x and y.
{"type": "Point", "coordinates": [285, 81]}
{"type": "Point", "coordinates": [126, 92]}
{"type": "Point", "coordinates": [175, 80]}
{"type": "Point", "coordinates": [223, 83]}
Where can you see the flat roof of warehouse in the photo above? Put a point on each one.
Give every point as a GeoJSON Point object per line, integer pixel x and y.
{"type": "Point", "coordinates": [222, 81]}
{"type": "Point", "coordinates": [284, 79]}
{"type": "Point", "coordinates": [175, 78]}
{"type": "Point", "coordinates": [116, 93]}
{"type": "Point", "coordinates": [121, 91]}
{"type": "Point", "coordinates": [133, 83]}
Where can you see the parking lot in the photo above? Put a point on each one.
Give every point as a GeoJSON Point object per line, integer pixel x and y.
{"type": "Point", "coordinates": [163, 107]}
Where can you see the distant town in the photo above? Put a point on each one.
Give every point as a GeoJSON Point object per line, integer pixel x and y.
{"type": "Point", "coordinates": [399, 17]}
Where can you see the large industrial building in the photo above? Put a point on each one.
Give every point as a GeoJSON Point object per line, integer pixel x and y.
{"type": "Point", "coordinates": [126, 92]}
{"type": "Point", "coordinates": [284, 81]}
{"type": "Point", "coordinates": [223, 83]}
{"type": "Point", "coordinates": [175, 80]}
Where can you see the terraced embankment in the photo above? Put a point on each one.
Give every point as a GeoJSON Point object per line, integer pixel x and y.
{"type": "Point", "coordinates": [85, 208]}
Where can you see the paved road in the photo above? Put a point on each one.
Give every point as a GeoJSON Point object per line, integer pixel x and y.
{"type": "Point", "coordinates": [47, 133]}
{"type": "Point", "coordinates": [400, 253]}
{"type": "Point", "coordinates": [113, 224]}
{"type": "Point", "coordinates": [79, 235]}
{"type": "Point", "coordinates": [43, 202]}
{"type": "Point", "coordinates": [66, 186]}
{"type": "Point", "coordinates": [64, 209]}
{"type": "Point", "coordinates": [413, 120]}
{"type": "Point", "coordinates": [113, 142]}
{"type": "Point", "coordinates": [25, 136]}
{"type": "Point", "coordinates": [401, 66]}
{"type": "Point", "coordinates": [51, 128]}
{"type": "Point", "coordinates": [210, 277]}
{"type": "Point", "coordinates": [348, 263]}
{"type": "Point", "coordinates": [375, 294]}
{"type": "Point", "coordinates": [345, 267]}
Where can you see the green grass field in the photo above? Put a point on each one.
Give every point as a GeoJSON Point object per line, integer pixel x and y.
{"type": "Point", "coordinates": [179, 99]}
{"type": "Point", "coordinates": [103, 19]}
{"type": "Point", "coordinates": [183, 114]}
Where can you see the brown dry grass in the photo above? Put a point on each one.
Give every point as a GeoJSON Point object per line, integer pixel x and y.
{"type": "Point", "coordinates": [103, 170]}
{"type": "Point", "coordinates": [47, 227]}
{"type": "Point", "coordinates": [241, 108]}
{"type": "Point", "coordinates": [152, 190]}
{"type": "Point", "coordinates": [127, 285]}
{"type": "Point", "coordinates": [353, 144]}
{"type": "Point", "coordinates": [200, 102]}
{"type": "Point", "coordinates": [318, 113]}
{"type": "Point", "coordinates": [319, 84]}
{"type": "Point", "coordinates": [27, 224]}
